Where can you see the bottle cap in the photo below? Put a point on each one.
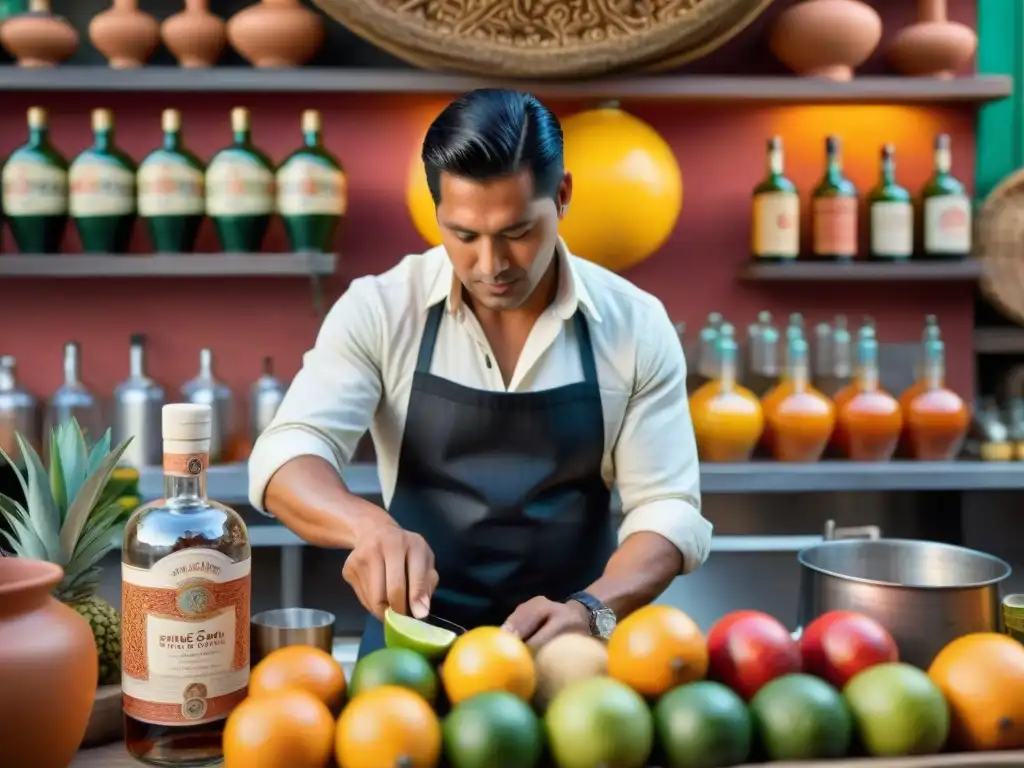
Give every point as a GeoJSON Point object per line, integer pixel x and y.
{"type": "Point", "coordinates": [170, 120]}
{"type": "Point", "coordinates": [187, 421]}
{"type": "Point", "coordinates": [311, 121]}
{"type": "Point", "coordinates": [239, 119]}
{"type": "Point", "coordinates": [102, 119]}
{"type": "Point", "coordinates": [36, 117]}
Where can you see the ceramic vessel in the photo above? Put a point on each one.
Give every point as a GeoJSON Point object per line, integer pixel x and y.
{"type": "Point", "coordinates": [195, 36]}
{"type": "Point", "coordinates": [826, 38]}
{"type": "Point", "coordinates": [276, 33]}
{"type": "Point", "coordinates": [125, 35]}
{"type": "Point", "coordinates": [38, 38]}
{"type": "Point", "coordinates": [47, 655]}
{"type": "Point", "coordinates": [934, 46]}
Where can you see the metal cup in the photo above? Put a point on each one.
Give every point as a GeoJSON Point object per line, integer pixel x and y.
{"type": "Point", "coordinates": [290, 626]}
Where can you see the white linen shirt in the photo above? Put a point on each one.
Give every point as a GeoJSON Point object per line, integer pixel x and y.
{"type": "Point", "coordinates": [358, 376]}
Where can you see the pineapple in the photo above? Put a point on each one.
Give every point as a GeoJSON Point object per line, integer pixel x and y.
{"type": "Point", "coordinates": [71, 517]}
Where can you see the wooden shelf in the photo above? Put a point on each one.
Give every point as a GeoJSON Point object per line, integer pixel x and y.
{"type": "Point", "coordinates": [703, 88]}
{"type": "Point", "coordinates": [169, 265]}
{"type": "Point", "coordinates": [869, 271]}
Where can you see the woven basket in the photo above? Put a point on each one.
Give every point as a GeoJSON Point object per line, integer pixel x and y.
{"type": "Point", "coordinates": [545, 38]}
{"type": "Point", "coordinates": [999, 243]}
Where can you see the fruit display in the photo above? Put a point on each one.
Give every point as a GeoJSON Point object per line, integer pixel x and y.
{"type": "Point", "coordinates": [657, 693]}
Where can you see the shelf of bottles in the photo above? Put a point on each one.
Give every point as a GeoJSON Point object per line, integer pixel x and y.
{"type": "Point", "coordinates": [102, 192]}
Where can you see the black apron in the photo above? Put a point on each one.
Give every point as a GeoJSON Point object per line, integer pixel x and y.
{"type": "Point", "coordinates": [505, 487]}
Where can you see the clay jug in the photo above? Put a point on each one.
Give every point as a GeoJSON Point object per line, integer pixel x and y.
{"type": "Point", "coordinates": [195, 36]}
{"type": "Point", "coordinates": [276, 33]}
{"type": "Point", "coordinates": [48, 656]}
{"type": "Point", "coordinates": [934, 46]}
{"type": "Point", "coordinates": [38, 38]}
{"type": "Point", "coordinates": [124, 34]}
{"type": "Point", "coordinates": [826, 38]}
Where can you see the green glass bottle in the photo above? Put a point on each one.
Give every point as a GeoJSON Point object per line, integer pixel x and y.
{"type": "Point", "coordinates": [891, 214]}
{"type": "Point", "coordinates": [172, 200]}
{"type": "Point", "coordinates": [102, 184]}
{"type": "Point", "coordinates": [946, 210]}
{"type": "Point", "coordinates": [311, 191]}
{"type": "Point", "coordinates": [240, 190]}
{"type": "Point", "coordinates": [775, 233]}
{"type": "Point", "coordinates": [834, 209]}
{"type": "Point", "coordinates": [35, 190]}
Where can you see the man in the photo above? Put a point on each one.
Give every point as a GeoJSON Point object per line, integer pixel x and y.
{"type": "Point", "coordinates": [507, 385]}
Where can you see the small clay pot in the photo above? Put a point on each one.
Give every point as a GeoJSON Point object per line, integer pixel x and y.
{"type": "Point", "coordinates": [38, 38]}
{"type": "Point", "coordinates": [195, 36]}
{"type": "Point", "coordinates": [934, 46]}
{"type": "Point", "coordinates": [276, 33]}
{"type": "Point", "coordinates": [126, 36]}
{"type": "Point", "coordinates": [826, 38]}
{"type": "Point", "coordinates": [48, 656]}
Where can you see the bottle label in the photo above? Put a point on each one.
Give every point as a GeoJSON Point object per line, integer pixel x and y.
{"type": "Point", "coordinates": [776, 227]}
{"type": "Point", "coordinates": [892, 229]}
{"type": "Point", "coordinates": [33, 187]}
{"type": "Point", "coordinates": [307, 187]}
{"type": "Point", "coordinates": [835, 226]}
{"type": "Point", "coordinates": [169, 188]}
{"type": "Point", "coordinates": [239, 185]}
{"type": "Point", "coordinates": [186, 464]}
{"type": "Point", "coordinates": [947, 224]}
{"type": "Point", "coordinates": [185, 637]}
{"type": "Point", "coordinates": [100, 187]}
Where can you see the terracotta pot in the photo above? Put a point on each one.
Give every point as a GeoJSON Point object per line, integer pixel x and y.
{"type": "Point", "coordinates": [195, 36]}
{"type": "Point", "coordinates": [38, 38]}
{"type": "Point", "coordinates": [48, 656]}
{"type": "Point", "coordinates": [276, 33]}
{"type": "Point", "coordinates": [826, 38]}
{"type": "Point", "coordinates": [124, 34]}
{"type": "Point", "coordinates": [934, 46]}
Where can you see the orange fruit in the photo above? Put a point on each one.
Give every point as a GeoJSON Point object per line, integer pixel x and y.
{"type": "Point", "coordinates": [290, 727]}
{"type": "Point", "coordinates": [982, 677]}
{"type": "Point", "coordinates": [656, 649]}
{"type": "Point", "coordinates": [488, 659]}
{"type": "Point", "coordinates": [304, 667]}
{"type": "Point", "coordinates": [388, 727]}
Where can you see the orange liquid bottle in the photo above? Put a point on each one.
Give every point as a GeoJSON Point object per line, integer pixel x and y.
{"type": "Point", "coordinates": [800, 418]}
{"type": "Point", "coordinates": [771, 398]}
{"type": "Point", "coordinates": [868, 419]}
{"type": "Point", "coordinates": [937, 418]}
{"type": "Point", "coordinates": [727, 418]}
{"type": "Point", "coordinates": [931, 332]}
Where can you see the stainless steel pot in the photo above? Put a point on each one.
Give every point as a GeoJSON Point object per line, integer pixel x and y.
{"type": "Point", "coordinates": [925, 593]}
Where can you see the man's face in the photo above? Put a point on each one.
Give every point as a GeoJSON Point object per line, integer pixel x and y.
{"type": "Point", "coordinates": [500, 238]}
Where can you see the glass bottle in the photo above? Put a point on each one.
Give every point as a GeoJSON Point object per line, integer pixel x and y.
{"type": "Point", "coordinates": [834, 209]}
{"type": "Point", "coordinates": [186, 578]}
{"type": "Point", "coordinates": [240, 190]}
{"type": "Point", "coordinates": [947, 209]}
{"type": "Point", "coordinates": [931, 332]}
{"type": "Point", "coordinates": [74, 400]}
{"type": "Point", "coordinates": [703, 371]}
{"type": "Point", "coordinates": [172, 198]}
{"type": "Point", "coordinates": [312, 194]}
{"type": "Point", "coordinates": [763, 363]}
{"type": "Point", "coordinates": [801, 418]}
{"type": "Point", "coordinates": [727, 418]}
{"type": "Point", "coordinates": [35, 190]}
{"type": "Point", "coordinates": [989, 436]}
{"type": "Point", "coordinates": [713, 371]}
{"type": "Point", "coordinates": [776, 215]}
{"type": "Point", "coordinates": [938, 418]}
{"type": "Point", "coordinates": [868, 419]}
{"type": "Point", "coordinates": [783, 386]}
{"type": "Point", "coordinates": [102, 182]}
{"type": "Point", "coordinates": [891, 214]}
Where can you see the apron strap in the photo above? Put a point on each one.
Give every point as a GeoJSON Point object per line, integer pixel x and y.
{"type": "Point", "coordinates": [586, 348]}
{"type": "Point", "coordinates": [429, 337]}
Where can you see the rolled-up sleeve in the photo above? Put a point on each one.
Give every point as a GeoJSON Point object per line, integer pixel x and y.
{"type": "Point", "coordinates": [656, 468]}
{"type": "Point", "coordinates": [331, 401]}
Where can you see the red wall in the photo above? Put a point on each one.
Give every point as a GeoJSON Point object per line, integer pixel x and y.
{"type": "Point", "coordinates": [720, 150]}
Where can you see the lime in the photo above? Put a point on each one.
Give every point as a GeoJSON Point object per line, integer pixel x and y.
{"type": "Point", "coordinates": [702, 725]}
{"type": "Point", "coordinates": [419, 636]}
{"type": "Point", "coordinates": [800, 717]}
{"type": "Point", "coordinates": [394, 666]}
{"type": "Point", "coordinates": [493, 730]}
{"type": "Point", "coordinates": [599, 723]}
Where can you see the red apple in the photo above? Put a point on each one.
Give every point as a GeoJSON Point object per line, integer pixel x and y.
{"type": "Point", "coordinates": [748, 649]}
{"type": "Point", "coordinates": [839, 644]}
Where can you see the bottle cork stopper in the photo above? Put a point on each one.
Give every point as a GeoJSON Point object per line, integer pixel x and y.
{"type": "Point", "coordinates": [39, 6]}
{"type": "Point", "coordinates": [187, 421]}
{"type": "Point", "coordinates": [239, 119]}
{"type": "Point", "coordinates": [311, 121]}
{"type": "Point", "coordinates": [102, 119]}
{"type": "Point", "coordinates": [36, 117]}
{"type": "Point", "coordinates": [170, 121]}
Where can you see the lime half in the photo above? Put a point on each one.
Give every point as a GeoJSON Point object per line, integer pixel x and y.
{"type": "Point", "coordinates": [419, 636]}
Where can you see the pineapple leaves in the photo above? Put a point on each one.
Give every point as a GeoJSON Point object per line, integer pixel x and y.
{"type": "Point", "coordinates": [57, 486]}
{"type": "Point", "coordinates": [44, 516]}
{"type": "Point", "coordinates": [23, 540]}
{"type": "Point", "coordinates": [101, 522]}
{"type": "Point", "coordinates": [99, 452]}
{"type": "Point", "coordinates": [74, 456]}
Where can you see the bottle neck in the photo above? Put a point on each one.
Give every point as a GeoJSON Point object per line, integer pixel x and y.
{"type": "Point", "coordinates": [943, 161]}
{"type": "Point", "coordinates": [242, 137]}
{"type": "Point", "coordinates": [70, 366]}
{"type": "Point", "coordinates": [311, 139]}
{"type": "Point", "coordinates": [137, 361]}
{"type": "Point", "coordinates": [775, 162]}
{"type": "Point", "coordinates": [798, 375]}
{"type": "Point", "coordinates": [38, 135]}
{"type": "Point", "coordinates": [185, 463]}
{"type": "Point", "coordinates": [867, 374]}
{"type": "Point", "coordinates": [172, 140]}
{"type": "Point", "coordinates": [7, 381]}
{"type": "Point", "coordinates": [934, 373]}
{"type": "Point", "coordinates": [888, 171]}
{"type": "Point", "coordinates": [103, 139]}
{"type": "Point", "coordinates": [834, 165]}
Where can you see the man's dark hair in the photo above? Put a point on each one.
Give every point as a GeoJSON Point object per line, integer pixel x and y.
{"type": "Point", "coordinates": [494, 132]}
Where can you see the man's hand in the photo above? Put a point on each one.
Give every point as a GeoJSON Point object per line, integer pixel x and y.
{"type": "Point", "coordinates": [391, 567]}
{"type": "Point", "coordinates": [538, 621]}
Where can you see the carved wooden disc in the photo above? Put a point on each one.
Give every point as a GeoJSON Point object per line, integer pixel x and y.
{"type": "Point", "coordinates": [544, 38]}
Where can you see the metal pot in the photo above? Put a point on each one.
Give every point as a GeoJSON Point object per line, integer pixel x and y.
{"type": "Point", "coordinates": [925, 593]}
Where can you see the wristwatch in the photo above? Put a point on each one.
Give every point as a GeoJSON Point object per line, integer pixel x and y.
{"type": "Point", "coordinates": [602, 618]}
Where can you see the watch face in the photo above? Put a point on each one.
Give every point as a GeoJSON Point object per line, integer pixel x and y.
{"type": "Point", "coordinates": [604, 623]}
